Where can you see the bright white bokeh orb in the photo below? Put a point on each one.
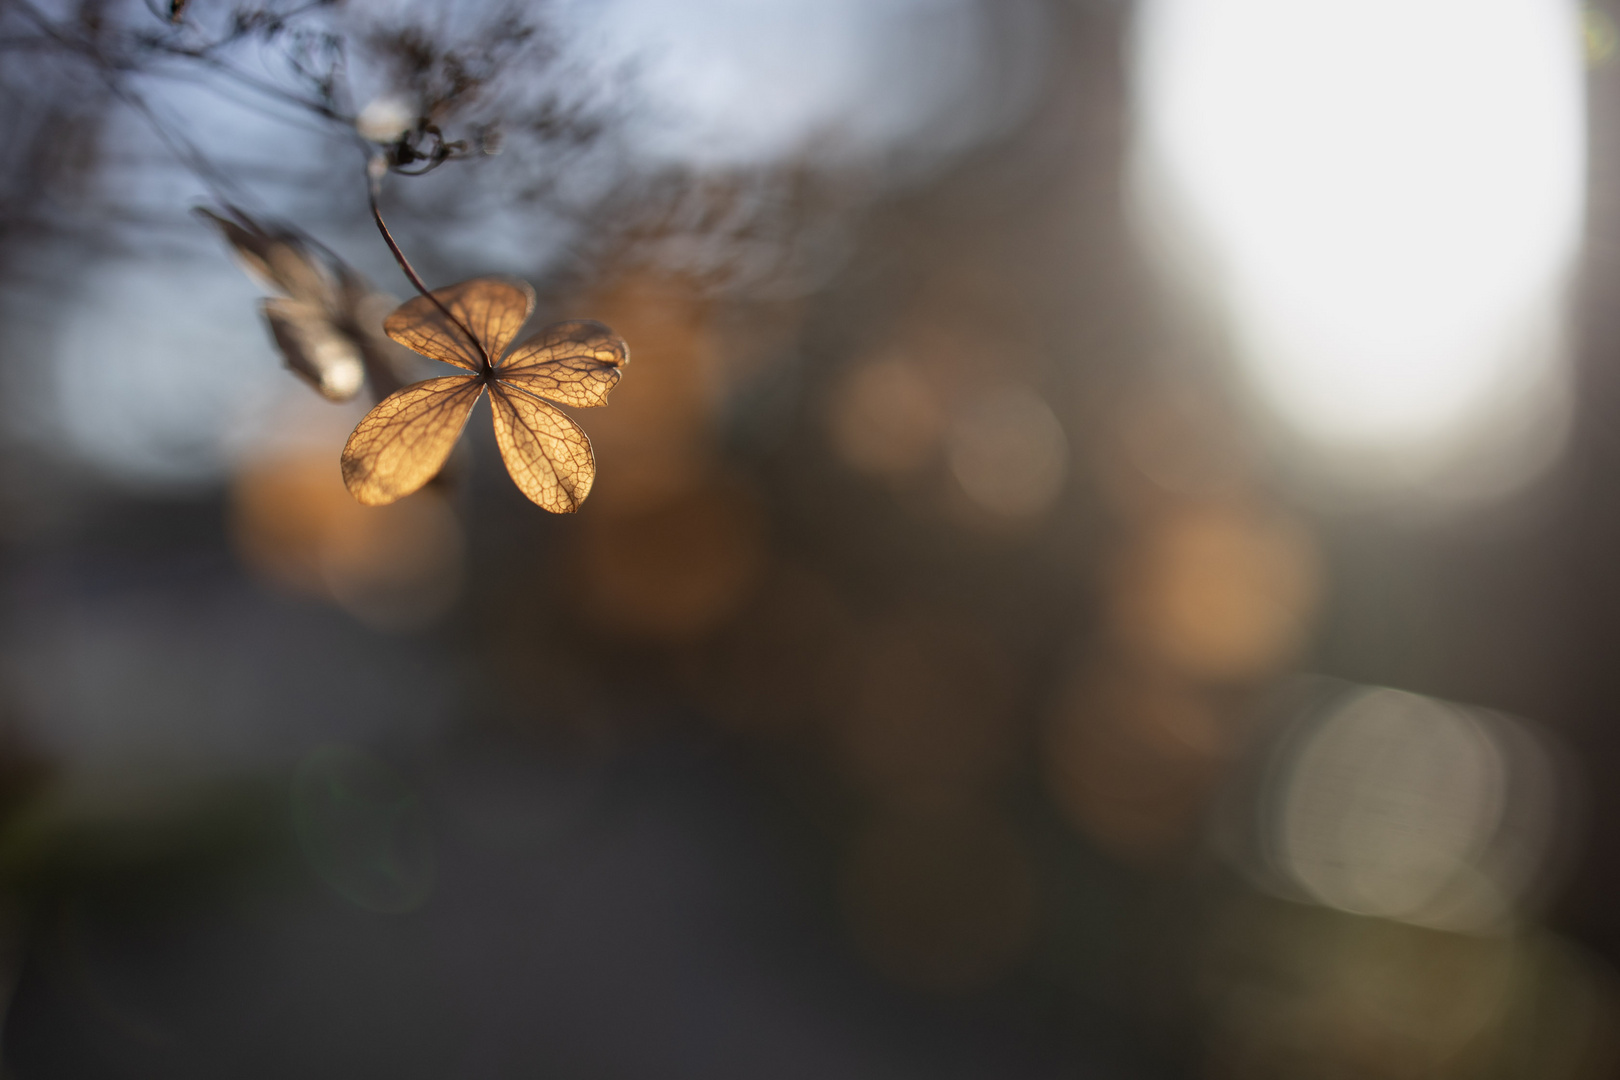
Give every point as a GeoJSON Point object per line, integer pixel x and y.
{"type": "Point", "coordinates": [1382, 200]}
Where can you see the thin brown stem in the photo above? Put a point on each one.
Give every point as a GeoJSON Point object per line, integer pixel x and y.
{"type": "Point", "coordinates": [374, 190]}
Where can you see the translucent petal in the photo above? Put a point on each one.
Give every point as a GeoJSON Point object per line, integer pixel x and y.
{"type": "Point", "coordinates": [403, 442]}
{"type": "Point", "coordinates": [574, 363]}
{"type": "Point", "coordinates": [493, 309]}
{"type": "Point", "coordinates": [547, 454]}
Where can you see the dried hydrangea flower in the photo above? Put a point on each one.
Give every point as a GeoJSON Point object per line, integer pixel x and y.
{"type": "Point", "coordinates": [403, 442]}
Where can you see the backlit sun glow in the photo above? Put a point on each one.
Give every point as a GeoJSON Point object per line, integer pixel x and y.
{"type": "Point", "coordinates": [1381, 199]}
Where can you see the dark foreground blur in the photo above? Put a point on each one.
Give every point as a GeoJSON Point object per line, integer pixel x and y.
{"type": "Point", "coordinates": [949, 675]}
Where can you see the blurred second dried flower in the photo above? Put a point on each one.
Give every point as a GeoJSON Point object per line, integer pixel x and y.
{"type": "Point", "coordinates": [327, 325]}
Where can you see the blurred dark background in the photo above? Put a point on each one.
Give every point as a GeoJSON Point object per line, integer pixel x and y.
{"type": "Point", "coordinates": [964, 665]}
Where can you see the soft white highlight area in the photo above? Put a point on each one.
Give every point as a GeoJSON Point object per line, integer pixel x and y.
{"type": "Point", "coordinates": [1410, 808]}
{"type": "Point", "coordinates": [1383, 199]}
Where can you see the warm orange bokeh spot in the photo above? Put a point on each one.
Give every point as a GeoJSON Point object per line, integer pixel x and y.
{"type": "Point", "coordinates": [404, 441]}
{"type": "Point", "coordinates": [887, 419]}
{"type": "Point", "coordinates": [660, 435]}
{"type": "Point", "coordinates": [395, 567]}
{"type": "Point", "coordinates": [1222, 593]}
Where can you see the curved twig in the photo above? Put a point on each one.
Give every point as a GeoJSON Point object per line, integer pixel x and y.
{"type": "Point", "coordinates": [374, 176]}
